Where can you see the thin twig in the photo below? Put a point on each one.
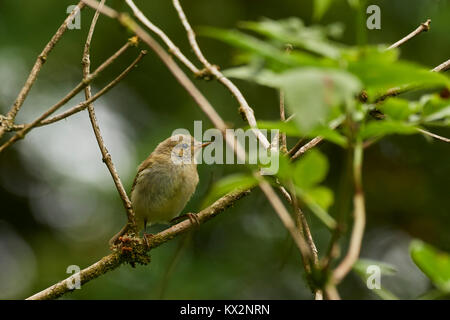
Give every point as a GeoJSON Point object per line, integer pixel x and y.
{"type": "Point", "coordinates": [171, 46]}
{"type": "Point", "coordinates": [442, 67]}
{"type": "Point", "coordinates": [296, 147]}
{"type": "Point", "coordinates": [8, 121]}
{"type": "Point", "coordinates": [311, 144]}
{"type": "Point", "coordinates": [285, 218]}
{"type": "Point", "coordinates": [359, 220]}
{"type": "Point", "coordinates": [86, 61]}
{"type": "Point", "coordinates": [424, 27]}
{"type": "Point", "coordinates": [83, 105]}
{"type": "Point", "coordinates": [332, 293]}
{"type": "Point", "coordinates": [28, 127]}
{"type": "Point", "coordinates": [115, 259]}
{"type": "Point", "coordinates": [397, 91]}
{"type": "Point", "coordinates": [305, 232]}
{"type": "Point", "coordinates": [434, 135]}
{"type": "Point", "coordinates": [283, 142]}
{"type": "Point", "coordinates": [297, 151]}
{"type": "Point", "coordinates": [303, 224]}
{"type": "Point", "coordinates": [213, 70]}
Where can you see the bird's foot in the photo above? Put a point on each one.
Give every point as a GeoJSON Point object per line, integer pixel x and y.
{"type": "Point", "coordinates": [147, 237]}
{"type": "Point", "coordinates": [193, 218]}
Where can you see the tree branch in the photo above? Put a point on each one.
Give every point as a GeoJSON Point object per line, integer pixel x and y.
{"type": "Point", "coordinates": [359, 220]}
{"type": "Point", "coordinates": [434, 135]}
{"type": "Point", "coordinates": [442, 67]}
{"type": "Point", "coordinates": [86, 61]}
{"type": "Point", "coordinates": [83, 105]}
{"type": "Point", "coordinates": [28, 127]}
{"type": "Point", "coordinates": [171, 46]}
{"type": "Point", "coordinates": [283, 141]}
{"type": "Point", "coordinates": [305, 232]}
{"type": "Point", "coordinates": [312, 143]}
{"type": "Point", "coordinates": [244, 108]}
{"type": "Point", "coordinates": [424, 27]}
{"type": "Point", "coordinates": [8, 121]}
{"type": "Point", "coordinates": [115, 259]}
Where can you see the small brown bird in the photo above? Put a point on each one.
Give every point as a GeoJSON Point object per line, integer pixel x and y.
{"type": "Point", "coordinates": [165, 182]}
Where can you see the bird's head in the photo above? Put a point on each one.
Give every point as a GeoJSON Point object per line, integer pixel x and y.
{"type": "Point", "coordinates": [181, 148]}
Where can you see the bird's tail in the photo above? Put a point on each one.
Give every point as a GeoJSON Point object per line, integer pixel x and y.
{"type": "Point", "coordinates": [122, 231]}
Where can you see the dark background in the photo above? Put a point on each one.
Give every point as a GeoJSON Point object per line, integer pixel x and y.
{"type": "Point", "coordinates": [59, 207]}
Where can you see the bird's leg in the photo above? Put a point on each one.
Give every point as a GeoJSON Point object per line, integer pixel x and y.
{"type": "Point", "coordinates": [146, 235]}
{"type": "Point", "coordinates": [191, 216]}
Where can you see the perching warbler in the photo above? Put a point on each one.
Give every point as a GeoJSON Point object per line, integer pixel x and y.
{"type": "Point", "coordinates": [164, 183]}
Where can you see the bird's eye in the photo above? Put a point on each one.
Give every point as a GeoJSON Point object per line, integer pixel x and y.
{"type": "Point", "coordinates": [185, 146]}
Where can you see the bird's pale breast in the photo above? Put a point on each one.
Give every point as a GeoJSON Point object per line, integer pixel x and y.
{"type": "Point", "coordinates": [162, 191]}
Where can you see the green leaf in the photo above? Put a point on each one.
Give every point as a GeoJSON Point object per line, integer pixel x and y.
{"type": "Point", "coordinates": [378, 77]}
{"type": "Point", "coordinates": [228, 184]}
{"type": "Point", "coordinates": [310, 170]}
{"type": "Point", "coordinates": [291, 130]}
{"type": "Point", "coordinates": [355, 4]}
{"type": "Point", "coordinates": [320, 7]}
{"type": "Point", "coordinates": [318, 199]}
{"type": "Point", "coordinates": [319, 211]}
{"type": "Point", "coordinates": [252, 73]}
{"type": "Point", "coordinates": [329, 134]}
{"type": "Point", "coordinates": [310, 93]}
{"type": "Point", "coordinates": [286, 127]}
{"type": "Point", "coordinates": [434, 263]}
{"type": "Point", "coordinates": [276, 56]}
{"type": "Point", "coordinates": [292, 31]}
{"type": "Point", "coordinates": [285, 168]}
{"type": "Point", "coordinates": [380, 128]}
{"type": "Point", "coordinates": [399, 109]}
{"type": "Point", "coordinates": [361, 266]}
{"type": "Point", "coordinates": [435, 108]}
{"type": "Point", "coordinates": [323, 196]}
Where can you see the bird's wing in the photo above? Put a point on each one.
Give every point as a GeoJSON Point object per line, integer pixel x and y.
{"type": "Point", "coordinates": [147, 163]}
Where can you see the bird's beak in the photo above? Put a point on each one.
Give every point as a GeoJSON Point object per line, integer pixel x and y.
{"type": "Point", "coordinates": [205, 144]}
{"type": "Point", "coordinates": [201, 145]}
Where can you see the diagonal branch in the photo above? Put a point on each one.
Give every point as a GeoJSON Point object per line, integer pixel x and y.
{"type": "Point", "coordinates": [8, 121]}
{"type": "Point", "coordinates": [115, 259]}
{"type": "Point", "coordinates": [434, 135]}
{"type": "Point", "coordinates": [86, 61]}
{"type": "Point", "coordinates": [244, 108]}
{"type": "Point", "coordinates": [359, 219]}
{"type": "Point", "coordinates": [172, 47]}
{"type": "Point", "coordinates": [424, 27]}
{"type": "Point", "coordinates": [85, 82]}
{"type": "Point", "coordinates": [442, 67]}
{"type": "Point", "coordinates": [83, 105]}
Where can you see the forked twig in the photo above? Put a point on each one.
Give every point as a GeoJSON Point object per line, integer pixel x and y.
{"type": "Point", "coordinates": [214, 70]}
{"type": "Point", "coordinates": [171, 46]}
{"type": "Point", "coordinates": [41, 119]}
{"type": "Point", "coordinates": [8, 121]}
{"type": "Point", "coordinates": [86, 61]}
